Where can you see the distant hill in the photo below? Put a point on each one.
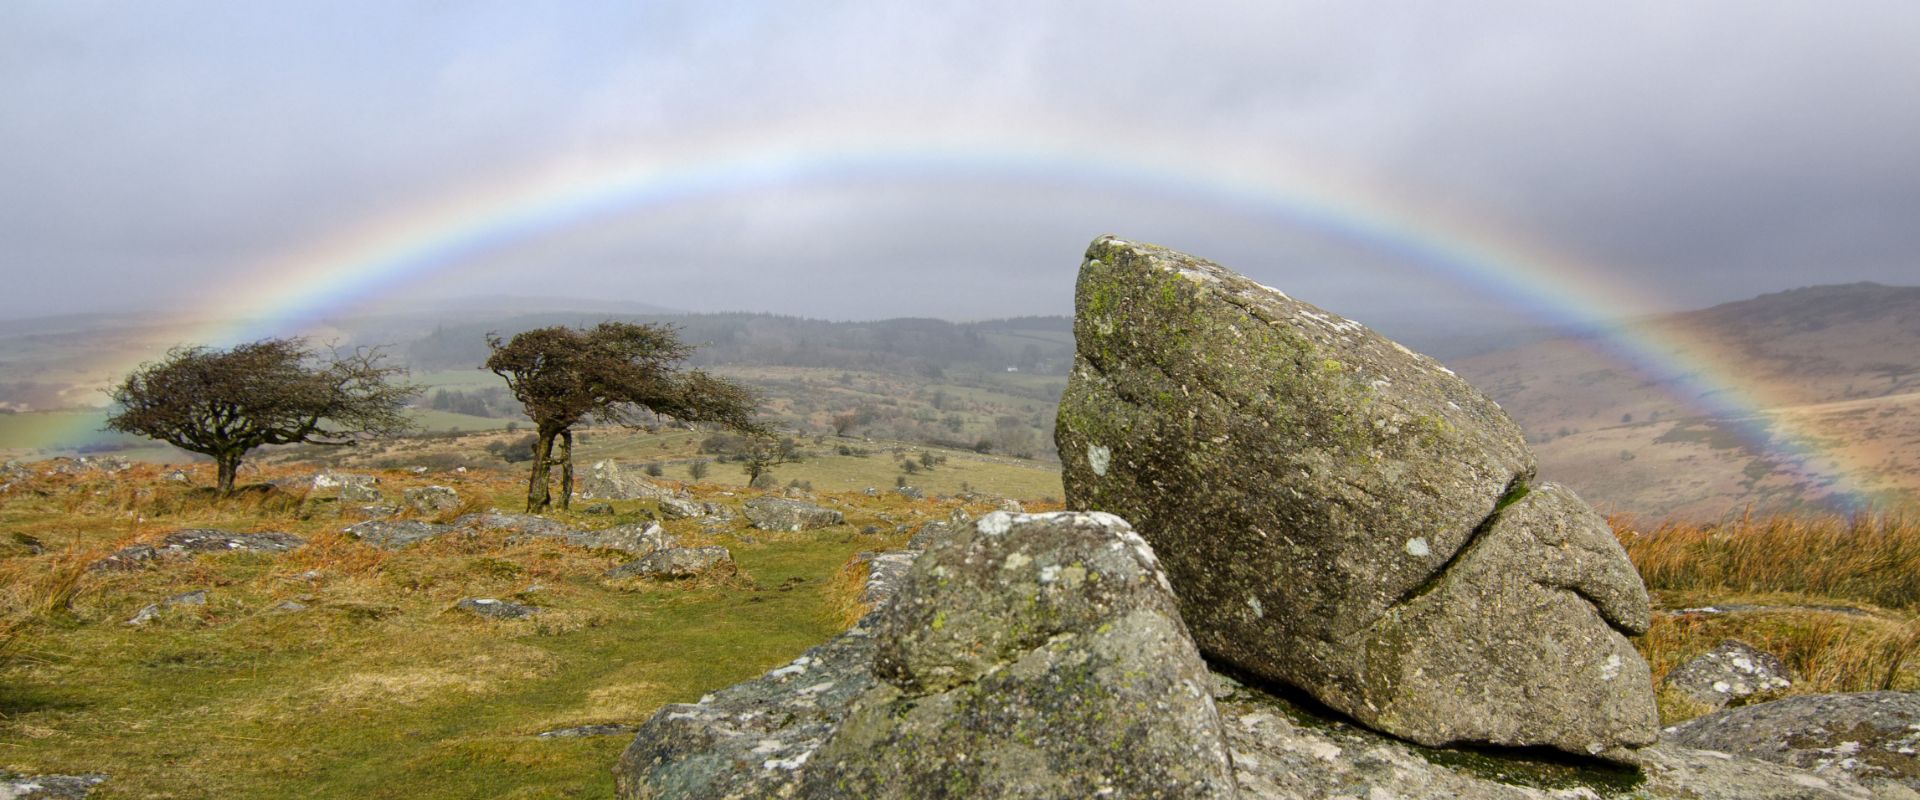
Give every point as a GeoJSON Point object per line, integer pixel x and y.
{"type": "Point", "coordinates": [1841, 361]}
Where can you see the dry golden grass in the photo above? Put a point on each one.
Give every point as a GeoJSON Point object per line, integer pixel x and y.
{"type": "Point", "coordinates": [844, 590]}
{"type": "Point", "coordinates": [1835, 597]}
{"type": "Point", "coordinates": [1868, 558]}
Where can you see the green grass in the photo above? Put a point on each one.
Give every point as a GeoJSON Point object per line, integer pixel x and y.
{"type": "Point", "coordinates": [379, 689]}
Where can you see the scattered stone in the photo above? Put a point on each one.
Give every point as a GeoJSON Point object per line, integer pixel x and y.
{"type": "Point", "coordinates": [607, 480]}
{"type": "Point", "coordinates": [290, 606]}
{"type": "Point", "coordinates": [781, 514]}
{"type": "Point", "coordinates": [871, 492]}
{"type": "Point", "coordinates": [207, 540]}
{"type": "Point", "coordinates": [688, 508]}
{"type": "Point", "coordinates": [397, 534]}
{"type": "Point", "coordinates": [1038, 656]}
{"type": "Point", "coordinates": [90, 464]}
{"type": "Point", "coordinates": [636, 540]}
{"type": "Point", "coordinates": [27, 542]}
{"type": "Point", "coordinates": [1868, 737]}
{"type": "Point", "coordinates": [675, 563]}
{"type": "Point", "coordinates": [496, 609]}
{"type": "Point", "coordinates": [910, 492]}
{"type": "Point", "coordinates": [582, 731]}
{"type": "Point", "coordinates": [1012, 507]}
{"type": "Point", "coordinates": [1732, 670]}
{"type": "Point", "coordinates": [432, 499]}
{"type": "Point", "coordinates": [47, 787]}
{"type": "Point", "coordinates": [131, 557]}
{"type": "Point", "coordinates": [14, 470]}
{"type": "Point", "coordinates": [1341, 514]}
{"type": "Point", "coordinates": [797, 493]}
{"type": "Point", "coordinates": [177, 476]}
{"type": "Point", "coordinates": [338, 480]}
{"type": "Point", "coordinates": [418, 470]}
{"type": "Point", "coordinates": [598, 509]}
{"type": "Point", "coordinates": [360, 493]}
{"type": "Point", "coordinates": [151, 611]}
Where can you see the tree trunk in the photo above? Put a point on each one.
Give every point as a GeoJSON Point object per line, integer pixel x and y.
{"type": "Point", "coordinates": [566, 469]}
{"type": "Point", "coordinates": [229, 466]}
{"type": "Point", "coordinates": [537, 497]}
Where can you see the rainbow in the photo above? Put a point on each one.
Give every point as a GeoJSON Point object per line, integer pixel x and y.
{"type": "Point", "coordinates": [342, 273]}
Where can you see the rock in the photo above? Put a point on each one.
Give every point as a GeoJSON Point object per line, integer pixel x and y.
{"type": "Point", "coordinates": [395, 535]}
{"type": "Point", "coordinates": [338, 480]}
{"type": "Point", "coordinates": [607, 480]}
{"type": "Point", "coordinates": [580, 731]}
{"type": "Point", "coordinates": [1036, 656]}
{"type": "Point", "coordinates": [688, 508]}
{"type": "Point", "coordinates": [290, 606]}
{"type": "Point", "coordinates": [177, 476]}
{"type": "Point", "coordinates": [360, 493]}
{"type": "Point", "coordinates": [675, 563]}
{"type": "Point", "coordinates": [14, 470]}
{"type": "Point", "coordinates": [432, 499]}
{"type": "Point", "coordinates": [598, 509]}
{"type": "Point", "coordinates": [151, 611]}
{"type": "Point", "coordinates": [636, 540]}
{"type": "Point", "coordinates": [128, 558]}
{"type": "Point", "coordinates": [1285, 748]}
{"type": "Point", "coordinates": [1868, 737]}
{"type": "Point", "coordinates": [1732, 670]}
{"type": "Point", "coordinates": [955, 524]}
{"type": "Point", "coordinates": [192, 541]}
{"type": "Point", "coordinates": [886, 572]}
{"type": "Point", "coordinates": [910, 492]}
{"type": "Point", "coordinates": [47, 787]}
{"type": "Point", "coordinates": [1341, 514]}
{"type": "Point", "coordinates": [496, 609]}
{"type": "Point", "coordinates": [1012, 507]}
{"type": "Point", "coordinates": [781, 514]}
{"type": "Point", "coordinates": [206, 540]}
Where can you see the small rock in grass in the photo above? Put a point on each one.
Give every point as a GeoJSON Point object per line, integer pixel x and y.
{"type": "Point", "coordinates": [598, 509]}
{"type": "Point", "coordinates": [432, 499]}
{"type": "Point", "coordinates": [47, 787]}
{"type": "Point", "coordinates": [579, 731]}
{"type": "Point", "coordinates": [151, 611]}
{"type": "Point", "coordinates": [676, 563]}
{"type": "Point", "coordinates": [496, 609]}
{"type": "Point", "coordinates": [1732, 670]}
{"type": "Point", "coordinates": [290, 606]}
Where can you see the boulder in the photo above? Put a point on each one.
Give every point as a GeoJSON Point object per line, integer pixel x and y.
{"type": "Point", "coordinates": [1035, 656]}
{"type": "Point", "coordinates": [1732, 670]}
{"type": "Point", "coordinates": [360, 493]}
{"type": "Point", "coordinates": [675, 563]}
{"type": "Point", "coordinates": [689, 508]}
{"type": "Point", "coordinates": [910, 492]}
{"type": "Point", "coordinates": [1286, 747]}
{"type": "Point", "coordinates": [432, 499]}
{"type": "Point", "coordinates": [1867, 737]}
{"type": "Point", "coordinates": [781, 514]}
{"type": "Point", "coordinates": [953, 525]}
{"type": "Point", "coordinates": [635, 540]}
{"type": "Point", "coordinates": [608, 480]}
{"type": "Point", "coordinates": [1341, 514]}
{"type": "Point", "coordinates": [598, 509]}
{"type": "Point", "coordinates": [886, 572]}
{"type": "Point", "coordinates": [395, 535]}
{"type": "Point", "coordinates": [495, 609]}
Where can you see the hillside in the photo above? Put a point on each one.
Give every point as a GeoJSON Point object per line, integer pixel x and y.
{"type": "Point", "coordinates": [1842, 362]}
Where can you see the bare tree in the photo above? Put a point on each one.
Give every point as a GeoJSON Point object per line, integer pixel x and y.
{"type": "Point", "coordinates": [225, 403]}
{"type": "Point", "coordinates": [615, 372]}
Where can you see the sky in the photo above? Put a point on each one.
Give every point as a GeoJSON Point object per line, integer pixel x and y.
{"type": "Point", "coordinates": [868, 159]}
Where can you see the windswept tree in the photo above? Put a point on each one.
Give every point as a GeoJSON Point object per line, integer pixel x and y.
{"type": "Point", "coordinates": [616, 372]}
{"type": "Point", "coordinates": [225, 403]}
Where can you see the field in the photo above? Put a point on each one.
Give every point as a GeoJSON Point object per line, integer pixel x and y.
{"type": "Point", "coordinates": [378, 687]}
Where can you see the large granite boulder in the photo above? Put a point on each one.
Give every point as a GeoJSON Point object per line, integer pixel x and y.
{"type": "Point", "coordinates": [1868, 737]}
{"type": "Point", "coordinates": [1341, 514]}
{"type": "Point", "coordinates": [781, 514]}
{"type": "Point", "coordinates": [608, 480]}
{"type": "Point", "coordinates": [1732, 670]}
{"type": "Point", "coordinates": [1033, 656]}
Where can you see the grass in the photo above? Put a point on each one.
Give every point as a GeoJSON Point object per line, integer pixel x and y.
{"type": "Point", "coordinates": [1835, 597]}
{"type": "Point", "coordinates": [379, 688]}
